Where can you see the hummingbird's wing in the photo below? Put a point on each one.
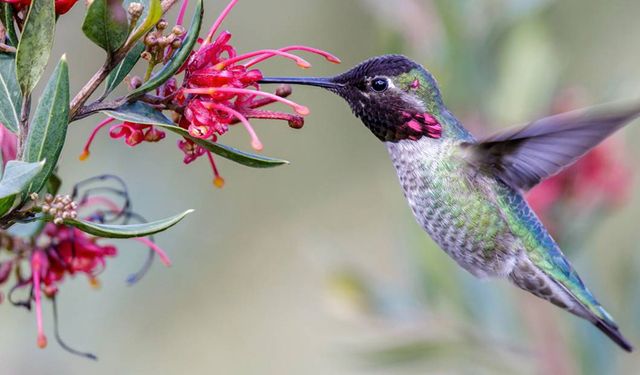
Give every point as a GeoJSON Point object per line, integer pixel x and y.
{"type": "Point", "coordinates": [525, 156]}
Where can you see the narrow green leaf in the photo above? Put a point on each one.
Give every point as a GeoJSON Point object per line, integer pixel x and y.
{"type": "Point", "coordinates": [49, 125]}
{"type": "Point", "coordinates": [106, 24]}
{"type": "Point", "coordinates": [35, 44]}
{"type": "Point", "coordinates": [179, 57]}
{"type": "Point", "coordinates": [6, 204]}
{"type": "Point", "coordinates": [126, 231]}
{"type": "Point", "coordinates": [231, 153]}
{"type": "Point", "coordinates": [6, 16]}
{"type": "Point", "coordinates": [142, 113]}
{"type": "Point", "coordinates": [120, 72]}
{"type": "Point", "coordinates": [17, 175]}
{"type": "Point", "coordinates": [154, 13]}
{"type": "Point", "coordinates": [10, 100]}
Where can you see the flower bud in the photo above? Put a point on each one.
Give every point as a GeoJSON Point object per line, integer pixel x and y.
{"type": "Point", "coordinates": [135, 10]}
{"type": "Point", "coordinates": [162, 24]}
{"type": "Point", "coordinates": [150, 40]}
{"type": "Point", "coordinates": [178, 30]}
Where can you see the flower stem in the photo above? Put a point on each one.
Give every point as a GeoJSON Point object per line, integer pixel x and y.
{"type": "Point", "coordinates": [83, 95]}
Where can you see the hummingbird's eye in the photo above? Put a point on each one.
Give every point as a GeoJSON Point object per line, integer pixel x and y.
{"type": "Point", "coordinates": [379, 84]}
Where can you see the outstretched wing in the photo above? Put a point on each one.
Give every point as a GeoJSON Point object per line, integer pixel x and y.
{"type": "Point", "coordinates": [525, 156]}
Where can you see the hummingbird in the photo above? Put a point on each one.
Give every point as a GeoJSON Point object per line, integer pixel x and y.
{"type": "Point", "coordinates": [467, 193]}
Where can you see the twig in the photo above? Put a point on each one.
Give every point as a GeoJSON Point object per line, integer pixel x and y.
{"type": "Point", "coordinates": [97, 106]}
{"type": "Point", "coordinates": [83, 95]}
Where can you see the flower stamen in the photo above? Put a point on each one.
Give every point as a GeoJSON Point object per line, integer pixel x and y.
{"type": "Point", "coordinates": [267, 54]}
{"type": "Point", "coordinates": [255, 141]}
{"type": "Point", "coordinates": [218, 181]}
{"type": "Point", "coordinates": [300, 109]}
{"type": "Point", "coordinates": [219, 20]}
{"type": "Point", "coordinates": [36, 264]}
{"type": "Point", "coordinates": [164, 258]}
{"type": "Point", "coordinates": [85, 151]}
{"type": "Point", "coordinates": [328, 56]}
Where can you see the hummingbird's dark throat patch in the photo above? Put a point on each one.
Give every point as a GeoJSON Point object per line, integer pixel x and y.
{"type": "Point", "coordinates": [404, 126]}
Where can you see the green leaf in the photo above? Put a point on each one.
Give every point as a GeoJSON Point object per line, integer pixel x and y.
{"type": "Point", "coordinates": [154, 13]}
{"type": "Point", "coordinates": [17, 175]}
{"type": "Point", "coordinates": [179, 57]}
{"type": "Point", "coordinates": [142, 113]}
{"type": "Point", "coordinates": [35, 44]}
{"type": "Point", "coordinates": [120, 72]}
{"type": "Point", "coordinates": [126, 231]}
{"type": "Point", "coordinates": [106, 24]}
{"type": "Point", "coordinates": [245, 158]}
{"type": "Point", "coordinates": [49, 125]}
{"type": "Point", "coordinates": [6, 17]}
{"type": "Point", "coordinates": [10, 100]}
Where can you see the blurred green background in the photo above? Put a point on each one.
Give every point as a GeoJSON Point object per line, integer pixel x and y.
{"type": "Point", "coordinates": [318, 267]}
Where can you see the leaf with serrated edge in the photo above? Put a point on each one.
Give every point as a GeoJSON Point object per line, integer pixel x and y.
{"type": "Point", "coordinates": [125, 231]}
{"type": "Point", "coordinates": [141, 113]}
{"type": "Point", "coordinates": [49, 125]}
{"type": "Point", "coordinates": [10, 100]}
{"type": "Point", "coordinates": [126, 65]}
{"type": "Point", "coordinates": [106, 24]}
{"type": "Point", "coordinates": [35, 44]}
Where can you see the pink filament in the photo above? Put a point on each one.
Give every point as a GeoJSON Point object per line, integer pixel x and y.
{"type": "Point", "coordinates": [94, 133]}
{"type": "Point", "coordinates": [255, 141]}
{"type": "Point", "coordinates": [36, 264]}
{"type": "Point", "coordinates": [316, 51]}
{"type": "Point", "coordinates": [216, 24]}
{"type": "Point", "coordinates": [267, 53]}
{"type": "Point", "coordinates": [183, 9]}
{"type": "Point", "coordinates": [213, 164]}
{"type": "Point", "coordinates": [300, 109]}
{"type": "Point", "coordinates": [93, 201]}
{"type": "Point", "coordinates": [163, 256]}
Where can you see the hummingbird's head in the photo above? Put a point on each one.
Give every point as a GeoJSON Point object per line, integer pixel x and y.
{"type": "Point", "coordinates": [395, 97]}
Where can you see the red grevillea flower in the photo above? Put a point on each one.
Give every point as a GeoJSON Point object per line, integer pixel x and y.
{"type": "Point", "coordinates": [219, 89]}
{"type": "Point", "coordinates": [600, 179]}
{"type": "Point", "coordinates": [60, 251]}
{"type": "Point", "coordinates": [8, 145]}
{"type": "Point", "coordinates": [62, 6]}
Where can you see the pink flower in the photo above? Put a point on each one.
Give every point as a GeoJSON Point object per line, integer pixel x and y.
{"type": "Point", "coordinates": [61, 251]}
{"type": "Point", "coordinates": [220, 89]}
{"type": "Point", "coordinates": [8, 144]}
{"type": "Point", "coordinates": [62, 6]}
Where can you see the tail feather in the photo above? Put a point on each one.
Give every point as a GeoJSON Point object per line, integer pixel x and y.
{"type": "Point", "coordinates": [529, 277]}
{"type": "Point", "coordinates": [614, 334]}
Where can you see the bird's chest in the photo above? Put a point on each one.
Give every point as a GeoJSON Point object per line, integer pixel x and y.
{"type": "Point", "coordinates": [455, 207]}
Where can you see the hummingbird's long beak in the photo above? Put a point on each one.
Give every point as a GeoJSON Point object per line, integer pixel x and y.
{"type": "Point", "coordinates": [327, 83]}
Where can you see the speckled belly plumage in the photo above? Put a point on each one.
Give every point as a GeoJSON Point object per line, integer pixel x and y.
{"type": "Point", "coordinates": [458, 208]}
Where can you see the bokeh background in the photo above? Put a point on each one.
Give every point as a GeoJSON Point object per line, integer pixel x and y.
{"type": "Point", "coordinates": [318, 267]}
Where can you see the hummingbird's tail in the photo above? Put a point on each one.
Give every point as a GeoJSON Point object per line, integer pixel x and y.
{"type": "Point", "coordinates": [573, 298]}
{"type": "Point", "coordinates": [613, 333]}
